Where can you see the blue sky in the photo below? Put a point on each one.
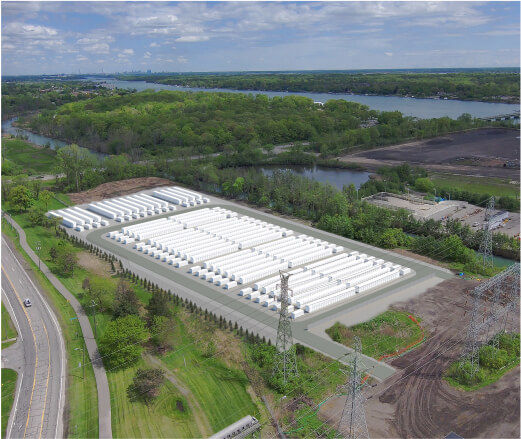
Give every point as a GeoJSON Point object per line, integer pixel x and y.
{"type": "Point", "coordinates": [67, 37]}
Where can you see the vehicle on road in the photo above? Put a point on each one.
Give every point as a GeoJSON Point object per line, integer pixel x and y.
{"type": "Point", "coordinates": [27, 303]}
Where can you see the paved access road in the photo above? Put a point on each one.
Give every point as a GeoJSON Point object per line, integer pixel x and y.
{"type": "Point", "coordinates": [40, 358]}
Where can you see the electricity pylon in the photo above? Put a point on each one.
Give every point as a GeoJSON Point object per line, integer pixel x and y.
{"type": "Point", "coordinates": [485, 248]}
{"type": "Point", "coordinates": [504, 301]}
{"type": "Point", "coordinates": [353, 423]}
{"type": "Point", "coordinates": [285, 361]}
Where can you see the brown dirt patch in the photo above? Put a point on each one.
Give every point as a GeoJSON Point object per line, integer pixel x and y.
{"type": "Point", "coordinates": [117, 188]}
{"type": "Point", "coordinates": [417, 402]}
{"type": "Point", "coordinates": [94, 264]}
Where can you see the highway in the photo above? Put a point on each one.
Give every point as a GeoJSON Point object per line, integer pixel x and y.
{"type": "Point", "coordinates": [39, 356]}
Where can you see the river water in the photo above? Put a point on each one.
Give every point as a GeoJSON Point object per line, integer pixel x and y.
{"type": "Point", "coordinates": [421, 108]}
{"type": "Point", "coordinates": [334, 176]}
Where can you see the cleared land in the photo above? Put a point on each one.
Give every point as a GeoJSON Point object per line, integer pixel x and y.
{"type": "Point", "coordinates": [491, 186]}
{"type": "Point", "coordinates": [117, 188]}
{"type": "Point", "coordinates": [481, 152]}
{"type": "Point", "coordinates": [417, 401]}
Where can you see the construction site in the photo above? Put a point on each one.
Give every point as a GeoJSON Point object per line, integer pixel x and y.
{"type": "Point", "coordinates": [289, 282]}
{"type": "Point", "coordinates": [468, 214]}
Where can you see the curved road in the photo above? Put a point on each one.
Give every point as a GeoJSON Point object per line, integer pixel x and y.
{"type": "Point", "coordinates": [102, 384]}
{"type": "Point", "coordinates": [40, 357]}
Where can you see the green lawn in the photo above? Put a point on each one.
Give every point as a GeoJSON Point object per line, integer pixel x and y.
{"type": "Point", "coordinates": [167, 416]}
{"type": "Point", "coordinates": [8, 329]}
{"type": "Point", "coordinates": [385, 334]}
{"type": "Point", "coordinates": [9, 377]}
{"type": "Point", "coordinates": [82, 397]}
{"type": "Point", "coordinates": [481, 185]}
{"type": "Point", "coordinates": [32, 160]}
{"type": "Point", "coordinates": [220, 390]}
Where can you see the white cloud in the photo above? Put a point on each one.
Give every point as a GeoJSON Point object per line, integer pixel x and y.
{"type": "Point", "coordinates": [154, 44]}
{"type": "Point", "coordinates": [81, 58]}
{"type": "Point", "coordinates": [388, 53]}
{"type": "Point", "coordinates": [147, 55]}
{"type": "Point", "coordinates": [182, 60]}
{"type": "Point", "coordinates": [192, 38]}
{"type": "Point", "coordinates": [128, 51]}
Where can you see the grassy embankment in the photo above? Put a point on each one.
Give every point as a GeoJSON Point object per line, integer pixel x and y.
{"type": "Point", "coordinates": [480, 185]}
{"type": "Point", "coordinates": [29, 158]}
{"type": "Point", "coordinates": [82, 398]}
{"type": "Point", "coordinates": [9, 377]}
{"type": "Point", "coordinates": [8, 329]}
{"type": "Point", "coordinates": [383, 335]}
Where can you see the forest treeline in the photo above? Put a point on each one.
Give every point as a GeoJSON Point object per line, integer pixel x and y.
{"type": "Point", "coordinates": [19, 98]}
{"type": "Point", "coordinates": [205, 123]}
{"type": "Point", "coordinates": [478, 86]}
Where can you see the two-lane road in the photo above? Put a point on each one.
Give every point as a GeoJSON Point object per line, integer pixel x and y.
{"type": "Point", "coordinates": [39, 402]}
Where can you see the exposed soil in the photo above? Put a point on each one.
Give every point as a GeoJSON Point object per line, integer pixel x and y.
{"type": "Point", "coordinates": [117, 189]}
{"type": "Point", "coordinates": [94, 264]}
{"type": "Point", "coordinates": [416, 402]}
{"type": "Point", "coordinates": [475, 152]}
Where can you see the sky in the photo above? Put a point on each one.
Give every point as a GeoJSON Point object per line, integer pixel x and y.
{"type": "Point", "coordinates": [91, 37]}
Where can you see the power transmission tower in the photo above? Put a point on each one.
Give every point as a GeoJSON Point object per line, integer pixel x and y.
{"type": "Point", "coordinates": [353, 421]}
{"type": "Point", "coordinates": [286, 359]}
{"type": "Point", "coordinates": [504, 301]}
{"type": "Point", "coordinates": [485, 248]}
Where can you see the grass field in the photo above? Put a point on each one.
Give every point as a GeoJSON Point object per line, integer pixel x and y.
{"type": "Point", "coordinates": [167, 416]}
{"type": "Point", "coordinates": [219, 388]}
{"type": "Point", "coordinates": [32, 160]}
{"type": "Point", "coordinates": [9, 377]}
{"type": "Point", "coordinates": [82, 397]}
{"type": "Point", "coordinates": [8, 329]}
{"type": "Point", "coordinates": [385, 334]}
{"type": "Point", "coordinates": [480, 185]}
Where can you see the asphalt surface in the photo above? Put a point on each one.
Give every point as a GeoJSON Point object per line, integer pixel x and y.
{"type": "Point", "coordinates": [251, 316]}
{"type": "Point", "coordinates": [38, 356]}
{"type": "Point", "coordinates": [102, 385]}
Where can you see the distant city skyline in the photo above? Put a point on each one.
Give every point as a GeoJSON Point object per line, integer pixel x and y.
{"type": "Point", "coordinates": [91, 37]}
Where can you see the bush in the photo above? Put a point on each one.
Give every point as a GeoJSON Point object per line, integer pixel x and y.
{"type": "Point", "coordinates": [462, 374]}
{"type": "Point", "coordinates": [492, 358]}
{"type": "Point", "coordinates": [509, 342]}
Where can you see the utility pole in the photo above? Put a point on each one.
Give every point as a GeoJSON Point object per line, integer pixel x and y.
{"type": "Point", "coordinates": [285, 361]}
{"type": "Point", "coordinates": [485, 248]}
{"type": "Point", "coordinates": [353, 423]}
{"type": "Point", "coordinates": [38, 249]}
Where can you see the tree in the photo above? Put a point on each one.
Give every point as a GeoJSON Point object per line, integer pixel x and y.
{"type": "Point", "coordinates": [126, 301]}
{"type": "Point", "coordinates": [159, 305]}
{"type": "Point", "coordinates": [75, 162]}
{"type": "Point", "coordinates": [161, 328]}
{"type": "Point", "coordinates": [101, 293]}
{"type": "Point", "coordinates": [424, 185]}
{"type": "Point", "coordinates": [37, 216]}
{"type": "Point", "coordinates": [21, 197]}
{"type": "Point", "coordinates": [67, 262]}
{"type": "Point", "coordinates": [36, 185]}
{"type": "Point", "coordinates": [120, 345]}
{"type": "Point", "coordinates": [45, 196]}
{"type": "Point", "coordinates": [146, 385]}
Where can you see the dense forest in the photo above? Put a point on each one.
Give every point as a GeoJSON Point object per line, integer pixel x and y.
{"type": "Point", "coordinates": [19, 98]}
{"type": "Point", "coordinates": [477, 86]}
{"type": "Point", "coordinates": [202, 122]}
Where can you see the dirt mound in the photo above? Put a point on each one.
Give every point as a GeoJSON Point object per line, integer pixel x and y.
{"type": "Point", "coordinates": [118, 188]}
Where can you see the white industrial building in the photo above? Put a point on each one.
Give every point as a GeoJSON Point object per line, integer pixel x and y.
{"type": "Point", "coordinates": [237, 251]}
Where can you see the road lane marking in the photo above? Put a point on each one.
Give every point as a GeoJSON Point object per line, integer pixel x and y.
{"type": "Point", "coordinates": [59, 333]}
{"type": "Point", "coordinates": [35, 347]}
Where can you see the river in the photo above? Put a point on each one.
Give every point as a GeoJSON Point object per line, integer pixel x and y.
{"type": "Point", "coordinates": [334, 176]}
{"type": "Point", "coordinates": [420, 108]}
